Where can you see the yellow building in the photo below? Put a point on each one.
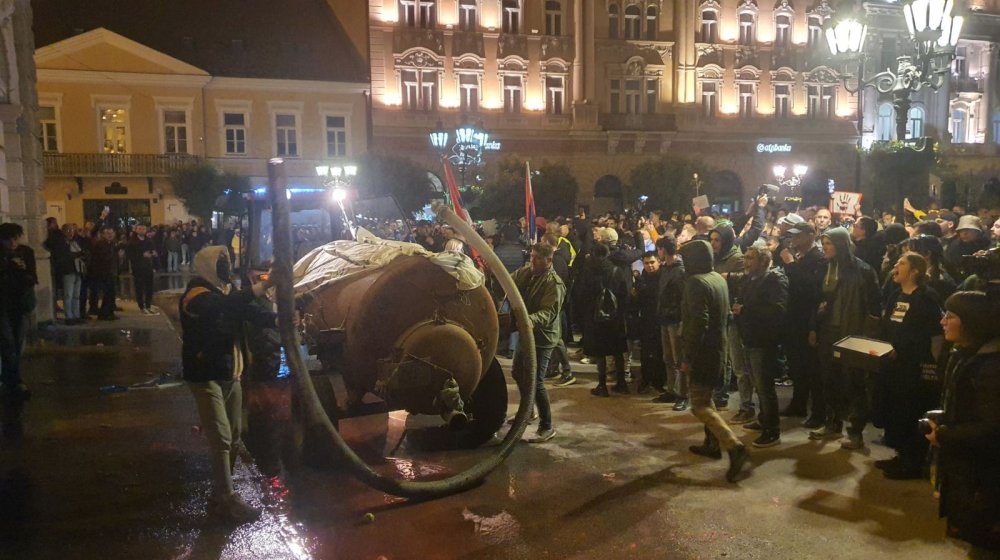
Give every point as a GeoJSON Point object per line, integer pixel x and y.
{"type": "Point", "coordinates": [122, 107]}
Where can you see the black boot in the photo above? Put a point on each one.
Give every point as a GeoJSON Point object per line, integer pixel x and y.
{"type": "Point", "coordinates": [709, 448]}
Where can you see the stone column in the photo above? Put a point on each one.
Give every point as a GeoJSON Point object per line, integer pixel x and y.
{"type": "Point", "coordinates": [578, 51]}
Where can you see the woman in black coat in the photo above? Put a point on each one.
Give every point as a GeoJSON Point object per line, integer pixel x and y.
{"type": "Point", "coordinates": [603, 336]}
{"type": "Point", "coordinates": [967, 435]}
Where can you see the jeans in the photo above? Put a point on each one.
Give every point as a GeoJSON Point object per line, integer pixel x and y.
{"type": "Point", "coordinates": [703, 409]}
{"type": "Point", "coordinates": [173, 261]}
{"type": "Point", "coordinates": [561, 357]}
{"type": "Point", "coordinates": [542, 357]}
{"type": "Point", "coordinates": [220, 408]}
{"type": "Point", "coordinates": [72, 305]}
{"type": "Point", "coordinates": [185, 253]}
{"type": "Point", "coordinates": [143, 287]}
{"type": "Point", "coordinates": [11, 344]}
{"type": "Point", "coordinates": [670, 338]}
{"type": "Point", "coordinates": [762, 363]}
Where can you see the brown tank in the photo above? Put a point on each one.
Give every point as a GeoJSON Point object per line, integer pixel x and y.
{"type": "Point", "coordinates": [406, 333]}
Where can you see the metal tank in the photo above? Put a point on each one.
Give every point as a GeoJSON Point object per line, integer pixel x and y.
{"type": "Point", "coordinates": [406, 333]}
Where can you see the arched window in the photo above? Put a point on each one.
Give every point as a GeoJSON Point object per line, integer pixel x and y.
{"type": "Point", "coordinates": [782, 95]}
{"type": "Point", "coordinates": [782, 30]}
{"type": "Point", "coordinates": [632, 22]}
{"type": "Point", "coordinates": [553, 18]}
{"type": "Point", "coordinates": [613, 21]}
{"type": "Point", "coordinates": [651, 23]}
{"type": "Point", "coordinates": [815, 30]}
{"type": "Point", "coordinates": [748, 28]}
{"type": "Point", "coordinates": [915, 122]}
{"type": "Point", "coordinates": [885, 126]}
{"type": "Point", "coordinates": [709, 26]}
{"type": "Point", "coordinates": [959, 126]}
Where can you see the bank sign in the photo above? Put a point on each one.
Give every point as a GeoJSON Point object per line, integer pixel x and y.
{"type": "Point", "coordinates": [774, 148]}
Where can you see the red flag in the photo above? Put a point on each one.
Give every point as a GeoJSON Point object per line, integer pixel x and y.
{"type": "Point", "coordinates": [529, 204]}
{"type": "Point", "coordinates": [454, 194]}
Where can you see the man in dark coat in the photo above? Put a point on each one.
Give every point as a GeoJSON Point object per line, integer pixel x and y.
{"type": "Point", "coordinates": [647, 288]}
{"type": "Point", "coordinates": [141, 257]}
{"type": "Point", "coordinates": [605, 336]}
{"type": "Point", "coordinates": [705, 317]}
{"type": "Point", "coordinates": [103, 273]}
{"type": "Point", "coordinates": [669, 301]}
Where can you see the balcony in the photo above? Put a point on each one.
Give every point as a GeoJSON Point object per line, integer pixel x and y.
{"type": "Point", "coordinates": [405, 38]}
{"type": "Point", "coordinates": [966, 84]}
{"type": "Point", "coordinates": [645, 122]}
{"type": "Point", "coordinates": [93, 165]}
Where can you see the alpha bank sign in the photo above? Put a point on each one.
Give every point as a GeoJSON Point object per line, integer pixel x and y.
{"type": "Point", "coordinates": [774, 147]}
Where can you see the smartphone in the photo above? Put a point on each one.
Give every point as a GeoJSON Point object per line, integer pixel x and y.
{"type": "Point", "coordinates": [107, 209]}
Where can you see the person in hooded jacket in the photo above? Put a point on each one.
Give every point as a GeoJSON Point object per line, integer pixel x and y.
{"type": "Point", "coordinates": [851, 306]}
{"type": "Point", "coordinates": [729, 259]}
{"type": "Point", "coordinates": [213, 357]}
{"type": "Point", "coordinates": [605, 337]}
{"type": "Point", "coordinates": [705, 314]}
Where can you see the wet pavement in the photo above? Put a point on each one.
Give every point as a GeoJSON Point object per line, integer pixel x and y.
{"type": "Point", "coordinates": [125, 475]}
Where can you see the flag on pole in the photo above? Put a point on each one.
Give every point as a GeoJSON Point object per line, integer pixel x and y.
{"type": "Point", "coordinates": [454, 194]}
{"type": "Point", "coordinates": [529, 205]}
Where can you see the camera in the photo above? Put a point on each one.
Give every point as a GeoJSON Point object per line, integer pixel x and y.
{"type": "Point", "coordinates": [985, 265]}
{"type": "Point", "coordinates": [936, 416]}
{"type": "Point", "coordinates": [770, 190]}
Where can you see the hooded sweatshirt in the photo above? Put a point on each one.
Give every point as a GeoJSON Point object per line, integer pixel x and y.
{"type": "Point", "coordinates": [851, 298]}
{"type": "Point", "coordinates": [730, 257]}
{"type": "Point", "coordinates": [705, 315]}
{"type": "Point", "coordinates": [211, 318]}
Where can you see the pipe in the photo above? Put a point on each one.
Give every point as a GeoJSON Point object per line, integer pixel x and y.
{"type": "Point", "coordinates": [313, 411]}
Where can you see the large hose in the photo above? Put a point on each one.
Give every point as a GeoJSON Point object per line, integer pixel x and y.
{"type": "Point", "coordinates": [313, 411]}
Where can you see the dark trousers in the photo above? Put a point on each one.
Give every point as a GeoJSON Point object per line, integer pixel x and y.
{"type": "Point", "coordinates": [105, 287]}
{"type": "Point", "coordinates": [806, 377]}
{"type": "Point", "coordinates": [763, 363]}
{"type": "Point", "coordinates": [542, 356]}
{"type": "Point", "coordinates": [143, 287]}
{"type": "Point", "coordinates": [11, 343]}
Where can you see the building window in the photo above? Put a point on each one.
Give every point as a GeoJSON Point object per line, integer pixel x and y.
{"type": "Point", "coordinates": [419, 88]}
{"type": "Point", "coordinates": [336, 136]}
{"type": "Point", "coordinates": [428, 10]}
{"type": "Point", "coordinates": [709, 26]}
{"type": "Point", "coordinates": [553, 18]}
{"type": "Point", "coordinates": [782, 30]}
{"type": "Point", "coordinates": [821, 101]}
{"type": "Point", "coordinates": [747, 100]}
{"type": "Point", "coordinates": [782, 100]}
{"type": "Point", "coordinates": [960, 66]}
{"type": "Point", "coordinates": [959, 122]}
{"type": "Point", "coordinates": [512, 93]}
{"type": "Point", "coordinates": [49, 130]}
{"type": "Point", "coordinates": [555, 93]}
{"type": "Point", "coordinates": [633, 95]}
{"type": "Point", "coordinates": [418, 13]}
{"type": "Point", "coordinates": [915, 123]}
{"type": "Point", "coordinates": [709, 99]}
{"type": "Point", "coordinates": [652, 95]}
{"type": "Point", "coordinates": [235, 128]}
{"type": "Point", "coordinates": [886, 124]}
{"type": "Point", "coordinates": [114, 130]}
{"type": "Point", "coordinates": [613, 21]}
{"type": "Point", "coordinates": [468, 92]}
{"type": "Point", "coordinates": [467, 15]}
{"type": "Point", "coordinates": [632, 22]}
{"type": "Point", "coordinates": [888, 53]}
{"type": "Point", "coordinates": [815, 31]}
{"type": "Point", "coordinates": [286, 134]}
{"type": "Point", "coordinates": [615, 96]}
{"type": "Point", "coordinates": [747, 25]}
{"type": "Point", "coordinates": [651, 23]}
{"type": "Point", "coordinates": [511, 16]}
{"type": "Point", "coordinates": [175, 132]}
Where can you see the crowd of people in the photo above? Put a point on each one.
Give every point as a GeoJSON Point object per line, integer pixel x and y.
{"type": "Point", "coordinates": [712, 305]}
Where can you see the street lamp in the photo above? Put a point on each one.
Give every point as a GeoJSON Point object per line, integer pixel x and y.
{"type": "Point", "coordinates": [337, 179]}
{"type": "Point", "coordinates": [468, 149]}
{"type": "Point", "coordinates": [934, 30]}
{"type": "Point", "coordinates": [791, 182]}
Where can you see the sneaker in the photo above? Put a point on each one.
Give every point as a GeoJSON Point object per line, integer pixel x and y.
{"type": "Point", "coordinates": [586, 360]}
{"type": "Point", "coordinates": [541, 436]}
{"type": "Point", "coordinates": [737, 458]}
{"type": "Point", "coordinates": [767, 439]}
{"type": "Point", "coordinates": [681, 405]}
{"type": "Point", "coordinates": [552, 375]}
{"type": "Point", "coordinates": [812, 423]}
{"type": "Point", "coordinates": [743, 416]}
{"type": "Point", "coordinates": [232, 508]}
{"type": "Point", "coordinates": [710, 451]}
{"type": "Point", "coordinates": [826, 432]}
{"type": "Point", "coordinates": [620, 388]}
{"type": "Point", "coordinates": [566, 381]}
{"type": "Point", "coordinates": [853, 441]}
{"type": "Point", "coordinates": [666, 398]}
{"type": "Point", "coordinates": [600, 391]}
{"type": "Point", "coordinates": [753, 426]}
{"type": "Point", "coordinates": [721, 404]}
{"type": "Point", "coordinates": [152, 311]}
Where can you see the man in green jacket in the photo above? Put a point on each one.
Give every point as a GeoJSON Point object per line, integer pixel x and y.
{"type": "Point", "coordinates": [704, 319]}
{"type": "Point", "coordinates": [543, 292]}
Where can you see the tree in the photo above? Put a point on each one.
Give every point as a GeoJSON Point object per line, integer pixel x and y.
{"type": "Point", "coordinates": [200, 186]}
{"type": "Point", "coordinates": [552, 185]}
{"type": "Point", "coordinates": [894, 172]}
{"type": "Point", "coordinates": [384, 175]}
{"type": "Point", "coordinates": [668, 181]}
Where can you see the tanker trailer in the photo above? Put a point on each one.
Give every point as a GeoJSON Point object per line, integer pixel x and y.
{"type": "Point", "coordinates": [416, 329]}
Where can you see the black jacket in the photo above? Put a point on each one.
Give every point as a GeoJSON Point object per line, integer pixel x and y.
{"type": "Point", "coordinates": [211, 322]}
{"type": "Point", "coordinates": [805, 287]}
{"type": "Point", "coordinates": [605, 339]}
{"type": "Point", "coordinates": [765, 302]}
{"type": "Point", "coordinates": [671, 294]}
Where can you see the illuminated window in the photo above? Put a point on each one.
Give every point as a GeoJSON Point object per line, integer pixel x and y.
{"type": "Point", "coordinates": [513, 93]}
{"type": "Point", "coordinates": [747, 28]}
{"type": "Point", "coordinates": [114, 130]}
{"type": "Point", "coordinates": [613, 21]}
{"type": "Point", "coordinates": [959, 126]}
{"type": "Point", "coordinates": [555, 92]}
{"type": "Point", "coordinates": [821, 101]}
{"type": "Point", "coordinates": [235, 130]}
{"type": "Point", "coordinates": [815, 31]}
{"type": "Point", "coordinates": [885, 126]}
{"type": "Point", "coordinates": [286, 134]}
{"type": "Point", "coordinates": [747, 100]}
{"type": "Point", "coordinates": [632, 22]}
{"type": "Point", "coordinates": [468, 91]}
{"type": "Point", "coordinates": [709, 99]}
{"type": "Point", "coordinates": [633, 95]}
{"type": "Point", "coordinates": [782, 30]}
{"type": "Point", "coordinates": [651, 23]}
{"type": "Point", "coordinates": [709, 26]}
{"type": "Point", "coordinates": [336, 136]}
{"type": "Point", "coordinates": [915, 122]}
{"type": "Point", "coordinates": [467, 15]}
{"type": "Point", "coordinates": [511, 16]}
{"type": "Point", "coordinates": [419, 88]}
{"type": "Point", "coordinates": [553, 18]}
{"type": "Point", "coordinates": [782, 100]}
{"type": "Point", "coordinates": [49, 130]}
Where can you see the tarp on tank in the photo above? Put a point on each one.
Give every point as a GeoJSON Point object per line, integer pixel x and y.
{"type": "Point", "coordinates": [342, 259]}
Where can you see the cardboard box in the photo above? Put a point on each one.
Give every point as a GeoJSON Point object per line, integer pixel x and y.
{"type": "Point", "coordinates": [861, 353]}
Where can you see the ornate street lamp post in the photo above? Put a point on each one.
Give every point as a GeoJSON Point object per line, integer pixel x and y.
{"type": "Point", "coordinates": [337, 180]}
{"type": "Point", "coordinates": [934, 29]}
{"type": "Point", "coordinates": [468, 149]}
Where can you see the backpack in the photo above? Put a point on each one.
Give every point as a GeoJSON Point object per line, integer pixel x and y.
{"type": "Point", "coordinates": [606, 309]}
